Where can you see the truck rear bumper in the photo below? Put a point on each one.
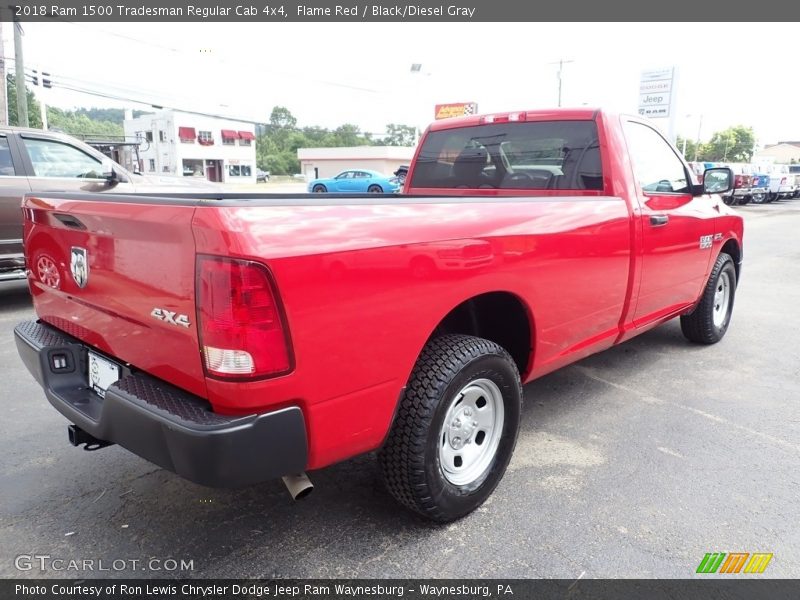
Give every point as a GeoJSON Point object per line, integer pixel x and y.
{"type": "Point", "coordinates": [161, 423]}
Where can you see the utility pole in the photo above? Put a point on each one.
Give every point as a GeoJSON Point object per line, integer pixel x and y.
{"type": "Point", "coordinates": [561, 62]}
{"type": "Point", "coordinates": [3, 84]}
{"type": "Point", "coordinates": [19, 69]}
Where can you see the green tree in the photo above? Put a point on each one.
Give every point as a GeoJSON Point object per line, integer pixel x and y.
{"type": "Point", "coordinates": [735, 144]}
{"type": "Point", "coordinates": [34, 109]}
{"type": "Point", "coordinates": [399, 135]}
{"type": "Point", "coordinates": [276, 147]}
{"type": "Point", "coordinates": [80, 124]}
{"type": "Point", "coordinates": [692, 147]}
{"type": "Point", "coordinates": [282, 118]}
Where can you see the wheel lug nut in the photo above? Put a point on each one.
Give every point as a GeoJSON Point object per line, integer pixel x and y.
{"type": "Point", "coordinates": [457, 423]}
{"type": "Point", "coordinates": [474, 423]}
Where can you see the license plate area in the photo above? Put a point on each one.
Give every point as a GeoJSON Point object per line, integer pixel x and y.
{"type": "Point", "coordinates": [102, 373]}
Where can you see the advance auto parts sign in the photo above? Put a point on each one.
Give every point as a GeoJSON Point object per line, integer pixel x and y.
{"type": "Point", "coordinates": [457, 109]}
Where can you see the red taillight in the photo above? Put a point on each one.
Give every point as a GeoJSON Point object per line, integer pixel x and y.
{"type": "Point", "coordinates": [783, 180]}
{"type": "Point", "coordinates": [242, 331]}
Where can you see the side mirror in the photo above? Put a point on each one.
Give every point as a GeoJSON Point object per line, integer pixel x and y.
{"type": "Point", "coordinates": [717, 180]}
{"type": "Point", "coordinates": [109, 174]}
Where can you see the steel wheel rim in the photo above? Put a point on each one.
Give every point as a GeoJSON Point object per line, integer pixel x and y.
{"type": "Point", "coordinates": [48, 272]}
{"type": "Point", "coordinates": [471, 432]}
{"type": "Point", "coordinates": [722, 299]}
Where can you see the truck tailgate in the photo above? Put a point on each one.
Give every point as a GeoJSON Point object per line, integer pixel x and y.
{"type": "Point", "coordinates": [119, 276]}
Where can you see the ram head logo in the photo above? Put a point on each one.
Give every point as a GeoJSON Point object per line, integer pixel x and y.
{"type": "Point", "coordinates": [79, 265]}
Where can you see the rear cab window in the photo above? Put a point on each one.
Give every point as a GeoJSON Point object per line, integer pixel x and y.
{"type": "Point", "coordinates": [533, 155]}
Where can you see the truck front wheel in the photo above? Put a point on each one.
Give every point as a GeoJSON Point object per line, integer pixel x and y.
{"type": "Point", "coordinates": [709, 321]}
{"type": "Point", "coordinates": [455, 429]}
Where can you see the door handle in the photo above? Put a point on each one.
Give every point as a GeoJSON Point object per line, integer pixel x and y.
{"type": "Point", "coordinates": [659, 220]}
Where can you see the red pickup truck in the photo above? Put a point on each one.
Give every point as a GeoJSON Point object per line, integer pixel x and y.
{"type": "Point", "coordinates": [234, 339]}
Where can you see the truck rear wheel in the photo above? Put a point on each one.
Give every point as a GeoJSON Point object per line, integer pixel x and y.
{"type": "Point", "coordinates": [455, 429]}
{"type": "Point", "coordinates": [709, 321]}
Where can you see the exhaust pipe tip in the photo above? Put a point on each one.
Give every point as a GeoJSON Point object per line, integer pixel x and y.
{"type": "Point", "coordinates": [299, 485]}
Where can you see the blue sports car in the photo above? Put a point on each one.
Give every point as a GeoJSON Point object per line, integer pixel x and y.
{"type": "Point", "coordinates": [356, 181]}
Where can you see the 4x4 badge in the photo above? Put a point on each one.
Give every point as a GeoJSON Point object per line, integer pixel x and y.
{"type": "Point", "coordinates": [79, 265]}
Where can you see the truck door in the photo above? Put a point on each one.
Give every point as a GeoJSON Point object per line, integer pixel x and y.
{"type": "Point", "coordinates": [677, 227]}
{"type": "Point", "coordinates": [13, 186]}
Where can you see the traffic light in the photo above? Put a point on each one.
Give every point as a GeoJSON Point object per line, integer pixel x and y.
{"type": "Point", "coordinates": [46, 80]}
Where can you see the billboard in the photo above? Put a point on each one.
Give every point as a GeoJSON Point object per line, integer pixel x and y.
{"type": "Point", "coordinates": [455, 109]}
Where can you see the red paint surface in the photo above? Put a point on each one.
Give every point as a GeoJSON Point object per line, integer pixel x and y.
{"type": "Point", "coordinates": [363, 285]}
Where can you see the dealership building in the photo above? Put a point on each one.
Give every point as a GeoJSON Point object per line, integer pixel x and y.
{"type": "Point", "coordinates": [177, 143]}
{"type": "Point", "coordinates": [328, 162]}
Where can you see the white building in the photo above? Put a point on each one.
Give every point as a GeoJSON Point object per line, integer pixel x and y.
{"type": "Point", "coordinates": [327, 162]}
{"type": "Point", "coordinates": [178, 143]}
{"type": "Point", "coordinates": [782, 152]}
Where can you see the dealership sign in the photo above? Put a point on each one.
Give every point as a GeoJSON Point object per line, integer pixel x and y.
{"type": "Point", "coordinates": [657, 93]}
{"type": "Point", "coordinates": [457, 109]}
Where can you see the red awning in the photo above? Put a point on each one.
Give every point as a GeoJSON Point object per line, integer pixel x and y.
{"type": "Point", "coordinates": [246, 135]}
{"type": "Point", "coordinates": [229, 134]}
{"type": "Point", "coordinates": [186, 133]}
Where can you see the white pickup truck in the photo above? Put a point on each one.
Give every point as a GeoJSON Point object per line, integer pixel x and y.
{"type": "Point", "coordinates": [781, 182]}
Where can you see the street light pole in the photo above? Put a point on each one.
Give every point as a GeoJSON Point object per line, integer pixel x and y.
{"type": "Point", "coordinates": [560, 64]}
{"type": "Point", "coordinates": [697, 144]}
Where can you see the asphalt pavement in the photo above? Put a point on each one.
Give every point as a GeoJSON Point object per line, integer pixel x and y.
{"type": "Point", "coordinates": [632, 463]}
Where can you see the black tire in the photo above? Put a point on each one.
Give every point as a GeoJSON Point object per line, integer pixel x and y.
{"type": "Point", "coordinates": [410, 458]}
{"type": "Point", "coordinates": [319, 189]}
{"type": "Point", "coordinates": [375, 189]}
{"type": "Point", "coordinates": [699, 326]}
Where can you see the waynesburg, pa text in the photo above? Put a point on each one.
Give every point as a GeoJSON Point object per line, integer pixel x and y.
{"type": "Point", "coordinates": [259, 590]}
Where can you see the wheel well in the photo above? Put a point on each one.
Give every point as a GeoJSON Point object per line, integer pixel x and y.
{"type": "Point", "coordinates": [732, 249]}
{"type": "Point", "coordinates": [497, 316]}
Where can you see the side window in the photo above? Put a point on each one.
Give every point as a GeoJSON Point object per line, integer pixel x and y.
{"type": "Point", "coordinates": [656, 166]}
{"type": "Point", "coordinates": [6, 165]}
{"type": "Point", "coordinates": [345, 175]}
{"type": "Point", "coordinates": [55, 159]}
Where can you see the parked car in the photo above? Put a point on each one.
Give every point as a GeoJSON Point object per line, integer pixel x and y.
{"type": "Point", "coordinates": [32, 160]}
{"type": "Point", "coordinates": [781, 183]}
{"type": "Point", "coordinates": [237, 360]}
{"type": "Point", "coordinates": [741, 192]}
{"type": "Point", "coordinates": [401, 173]}
{"type": "Point", "coordinates": [760, 188]}
{"type": "Point", "coordinates": [355, 181]}
{"type": "Point", "coordinates": [262, 176]}
{"type": "Point", "coordinates": [795, 170]}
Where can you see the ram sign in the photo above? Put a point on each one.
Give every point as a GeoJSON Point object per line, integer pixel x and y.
{"type": "Point", "coordinates": [456, 109]}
